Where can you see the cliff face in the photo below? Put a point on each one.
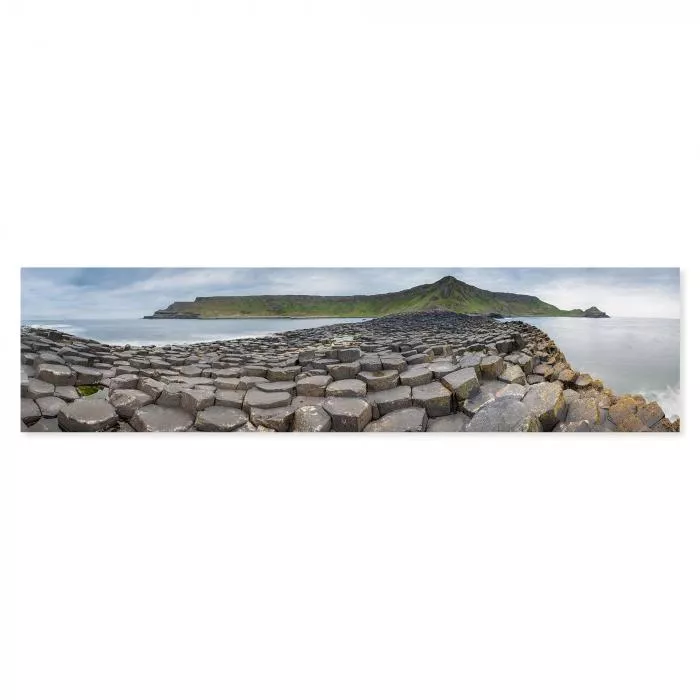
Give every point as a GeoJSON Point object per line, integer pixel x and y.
{"type": "Point", "coordinates": [447, 293]}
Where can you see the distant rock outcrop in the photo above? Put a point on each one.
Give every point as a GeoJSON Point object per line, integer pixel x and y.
{"type": "Point", "coordinates": [448, 294]}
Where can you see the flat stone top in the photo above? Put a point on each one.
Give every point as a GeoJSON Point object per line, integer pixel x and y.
{"type": "Point", "coordinates": [345, 406]}
{"type": "Point", "coordinates": [87, 415]}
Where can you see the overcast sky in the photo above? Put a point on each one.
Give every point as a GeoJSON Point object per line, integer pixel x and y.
{"type": "Point", "coordinates": [93, 293]}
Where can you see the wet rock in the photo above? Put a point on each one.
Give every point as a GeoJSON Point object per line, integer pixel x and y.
{"type": "Point", "coordinates": [311, 419]}
{"type": "Point", "coordinates": [218, 419]}
{"type": "Point", "coordinates": [546, 402]}
{"type": "Point", "coordinates": [161, 419]}
{"type": "Point", "coordinates": [348, 414]}
{"type": "Point", "coordinates": [434, 398]}
{"type": "Point", "coordinates": [59, 375]}
{"type": "Point", "coordinates": [504, 415]}
{"type": "Point", "coordinates": [406, 420]}
{"type": "Point", "coordinates": [87, 415]}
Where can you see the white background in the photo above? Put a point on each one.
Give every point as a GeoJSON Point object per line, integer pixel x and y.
{"type": "Point", "coordinates": [358, 134]}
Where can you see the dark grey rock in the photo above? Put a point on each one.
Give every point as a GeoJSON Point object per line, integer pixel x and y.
{"type": "Point", "coordinates": [504, 415]}
{"type": "Point", "coordinates": [124, 381]}
{"type": "Point", "coordinates": [434, 398]}
{"type": "Point", "coordinates": [347, 387]}
{"type": "Point", "coordinates": [512, 374]}
{"type": "Point", "coordinates": [194, 400]}
{"type": "Point", "coordinates": [349, 354]}
{"type": "Point", "coordinates": [584, 409]}
{"type": "Point", "coordinates": [127, 401]}
{"type": "Point", "coordinates": [463, 383]}
{"type": "Point", "coordinates": [67, 393]}
{"type": "Point", "coordinates": [31, 412]}
{"type": "Point", "coordinates": [59, 375]}
{"type": "Point", "coordinates": [313, 386]}
{"type": "Point", "coordinates": [546, 402]}
{"type": "Point", "coordinates": [348, 414]}
{"type": "Point", "coordinates": [492, 366]}
{"type": "Point", "coordinates": [260, 399]}
{"type": "Point", "coordinates": [390, 400]}
{"type": "Point", "coordinates": [50, 405]}
{"type": "Point", "coordinates": [87, 415]}
{"type": "Point", "coordinates": [279, 419]}
{"type": "Point", "coordinates": [345, 370]}
{"type": "Point", "coordinates": [378, 381]}
{"type": "Point", "coordinates": [161, 419]}
{"type": "Point", "coordinates": [415, 376]}
{"type": "Point", "coordinates": [454, 423]}
{"type": "Point", "coordinates": [311, 419]}
{"type": "Point", "coordinates": [220, 419]}
{"type": "Point", "coordinates": [405, 420]}
{"type": "Point", "coordinates": [36, 388]}
{"type": "Point", "coordinates": [515, 391]}
{"type": "Point", "coordinates": [152, 387]}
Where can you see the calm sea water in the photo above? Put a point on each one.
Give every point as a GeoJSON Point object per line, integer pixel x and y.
{"type": "Point", "coordinates": [631, 355]}
{"type": "Point", "coordinates": [143, 331]}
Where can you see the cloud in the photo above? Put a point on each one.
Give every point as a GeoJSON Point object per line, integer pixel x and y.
{"type": "Point", "coordinates": [74, 293]}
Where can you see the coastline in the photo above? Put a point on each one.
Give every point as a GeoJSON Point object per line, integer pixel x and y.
{"type": "Point", "coordinates": [426, 371]}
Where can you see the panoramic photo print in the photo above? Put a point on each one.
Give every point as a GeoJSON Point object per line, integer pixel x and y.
{"type": "Point", "coordinates": [371, 350]}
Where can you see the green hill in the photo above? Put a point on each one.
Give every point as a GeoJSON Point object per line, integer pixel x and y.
{"type": "Point", "coordinates": [447, 293]}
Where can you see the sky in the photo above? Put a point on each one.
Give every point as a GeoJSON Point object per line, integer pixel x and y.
{"type": "Point", "coordinates": [53, 293]}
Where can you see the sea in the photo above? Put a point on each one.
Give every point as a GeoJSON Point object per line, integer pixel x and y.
{"type": "Point", "coordinates": [630, 355]}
